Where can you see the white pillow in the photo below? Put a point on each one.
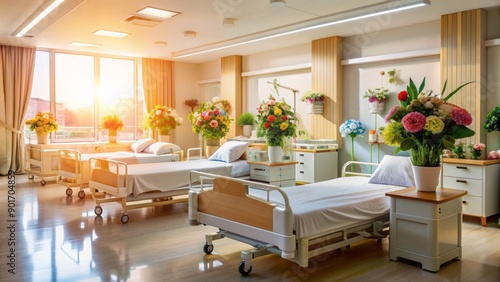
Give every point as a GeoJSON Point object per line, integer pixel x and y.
{"type": "Point", "coordinates": [229, 151]}
{"type": "Point", "coordinates": [394, 170]}
{"type": "Point", "coordinates": [160, 148]}
{"type": "Point", "coordinates": [141, 144]}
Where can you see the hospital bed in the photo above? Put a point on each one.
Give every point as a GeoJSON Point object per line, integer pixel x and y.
{"type": "Point", "coordinates": [298, 222]}
{"type": "Point", "coordinates": [150, 184]}
{"type": "Point", "coordinates": [73, 170]}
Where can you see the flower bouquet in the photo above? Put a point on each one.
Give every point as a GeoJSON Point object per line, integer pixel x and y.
{"type": "Point", "coordinates": [476, 150]}
{"type": "Point", "coordinates": [426, 124]}
{"type": "Point", "coordinates": [313, 96]}
{"type": "Point", "coordinates": [275, 121]}
{"type": "Point", "coordinates": [43, 123]}
{"type": "Point", "coordinates": [111, 122]}
{"type": "Point", "coordinates": [211, 119]}
{"type": "Point", "coordinates": [164, 119]}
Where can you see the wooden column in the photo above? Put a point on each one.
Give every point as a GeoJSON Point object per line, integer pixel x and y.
{"type": "Point", "coordinates": [463, 59]}
{"type": "Point", "coordinates": [231, 89]}
{"type": "Point", "coordinates": [326, 68]}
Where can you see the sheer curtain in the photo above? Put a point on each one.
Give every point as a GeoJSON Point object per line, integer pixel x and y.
{"type": "Point", "coordinates": [158, 80]}
{"type": "Point", "coordinates": [17, 65]}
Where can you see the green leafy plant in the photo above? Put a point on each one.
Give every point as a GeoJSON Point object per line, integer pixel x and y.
{"type": "Point", "coordinates": [246, 119]}
{"type": "Point", "coordinates": [493, 120]}
{"type": "Point", "coordinates": [313, 96]}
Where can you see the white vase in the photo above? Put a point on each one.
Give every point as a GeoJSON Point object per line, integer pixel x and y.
{"type": "Point", "coordinates": [275, 154]}
{"type": "Point", "coordinates": [426, 178]}
{"type": "Point", "coordinates": [247, 130]}
{"type": "Point", "coordinates": [164, 138]}
{"type": "Point", "coordinates": [376, 107]}
{"type": "Point", "coordinates": [315, 107]}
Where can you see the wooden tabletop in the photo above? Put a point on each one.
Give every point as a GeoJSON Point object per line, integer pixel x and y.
{"type": "Point", "coordinates": [440, 196]}
{"type": "Point", "coordinates": [271, 164]}
{"type": "Point", "coordinates": [470, 161]}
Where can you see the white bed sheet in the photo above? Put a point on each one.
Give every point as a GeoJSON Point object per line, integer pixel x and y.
{"type": "Point", "coordinates": [165, 176]}
{"type": "Point", "coordinates": [339, 202]}
{"type": "Point", "coordinates": [131, 157]}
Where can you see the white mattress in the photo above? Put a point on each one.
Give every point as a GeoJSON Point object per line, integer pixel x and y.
{"type": "Point", "coordinates": [167, 176]}
{"type": "Point", "coordinates": [131, 157]}
{"type": "Point", "coordinates": [334, 204]}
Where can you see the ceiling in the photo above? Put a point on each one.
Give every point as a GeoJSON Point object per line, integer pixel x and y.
{"type": "Point", "coordinates": [253, 19]}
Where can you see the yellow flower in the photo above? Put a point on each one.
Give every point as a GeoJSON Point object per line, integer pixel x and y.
{"type": "Point", "coordinates": [434, 124]}
{"type": "Point", "coordinates": [277, 111]}
{"type": "Point", "coordinates": [283, 125]}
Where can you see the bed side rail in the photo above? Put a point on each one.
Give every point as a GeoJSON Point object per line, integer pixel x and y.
{"type": "Point", "coordinates": [108, 172]}
{"type": "Point", "coordinates": [194, 157]}
{"type": "Point", "coordinates": [348, 164]}
{"type": "Point", "coordinates": [70, 161]}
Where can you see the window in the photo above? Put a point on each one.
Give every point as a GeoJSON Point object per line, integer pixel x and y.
{"type": "Point", "coordinates": [86, 88]}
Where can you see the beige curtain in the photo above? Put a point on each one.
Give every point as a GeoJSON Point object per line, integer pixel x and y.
{"type": "Point", "coordinates": [17, 65]}
{"type": "Point", "coordinates": [158, 80]}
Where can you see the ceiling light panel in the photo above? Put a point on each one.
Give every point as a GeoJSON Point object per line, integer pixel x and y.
{"type": "Point", "coordinates": [157, 13]}
{"type": "Point", "coordinates": [110, 33]}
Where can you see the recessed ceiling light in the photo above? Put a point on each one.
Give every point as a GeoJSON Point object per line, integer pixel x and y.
{"type": "Point", "coordinates": [157, 13]}
{"type": "Point", "coordinates": [82, 44]}
{"type": "Point", "coordinates": [161, 43]}
{"type": "Point", "coordinates": [228, 22]}
{"type": "Point", "coordinates": [189, 33]}
{"type": "Point", "coordinates": [277, 3]}
{"type": "Point", "coordinates": [111, 33]}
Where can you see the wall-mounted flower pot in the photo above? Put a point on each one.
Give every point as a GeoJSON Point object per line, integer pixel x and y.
{"type": "Point", "coordinates": [376, 107]}
{"type": "Point", "coordinates": [316, 107]}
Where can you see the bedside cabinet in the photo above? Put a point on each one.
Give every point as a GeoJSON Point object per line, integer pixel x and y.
{"type": "Point", "coordinates": [426, 227]}
{"type": "Point", "coordinates": [481, 179]}
{"type": "Point", "coordinates": [315, 165]}
{"type": "Point", "coordinates": [279, 174]}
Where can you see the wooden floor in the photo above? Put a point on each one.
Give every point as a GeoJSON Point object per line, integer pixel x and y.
{"type": "Point", "coordinates": [58, 238]}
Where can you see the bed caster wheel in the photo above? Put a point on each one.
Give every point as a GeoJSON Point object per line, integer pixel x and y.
{"type": "Point", "coordinates": [241, 269]}
{"type": "Point", "coordinates": [69, 192]}
{"type": "Point", "coordinates": [98, 210]}
{"type": "Point", "coordinates": [81, 194]}
{"type": "Point", "coordinates": [208, 249]}
{"type": "Point", "coordinates": [43, 182]}
{"type": "Point", "coordinates": [124, 218]}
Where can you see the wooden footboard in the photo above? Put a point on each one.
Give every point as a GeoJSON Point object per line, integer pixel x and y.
{"type": "Point", "coordinates": [228, 196]}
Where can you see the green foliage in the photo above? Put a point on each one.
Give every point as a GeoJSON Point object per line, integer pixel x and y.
{"type": "Point", "coordinates": [493, 120]}
{"type": "Point", "coordinates": [246, 119]}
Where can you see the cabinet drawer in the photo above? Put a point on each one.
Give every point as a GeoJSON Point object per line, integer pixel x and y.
{"type": "Point", "coordinates": [272, 173]}
{"type": "Point", "coordinates": [472, 186]}
{"type": "Point", "coordinates": [304, 173]}
{"type": "Point", "coordinates": [472, 205]}
{"type": "Point", "coordinates": [304, 158]}
{"type": "Point", "coordinates": [463, 170]}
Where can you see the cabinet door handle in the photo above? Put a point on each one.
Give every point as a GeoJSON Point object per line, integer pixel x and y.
{"type": "Point", "coordinates": [461, 167]}
{"type": "Point", "coordinates": [301, 171]}
{"type": "Point", "coordinates": [301, 155]}
{"type": "Point", "coordinates": [461, 181]}
{"type": "Point", "coordinates": [464, 202]}
{"type": "Point", "coordinates": [259, 169]}
{"type": "Point", "coordinates": [301, 163]}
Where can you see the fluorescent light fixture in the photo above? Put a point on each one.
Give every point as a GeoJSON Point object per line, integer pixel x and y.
{"type": "Point", "coordinates": [82, 44]}
{"type": "Point", "coordinates": [157, 13]}
{"type": "Point", "coordinates": [39, 15]}
{"type": "Point", "coordinates": [228, 22]}
{"type": "Point", "coordinates": [110, 33]}
{"type": "Point", "coordinates": [364, 12]}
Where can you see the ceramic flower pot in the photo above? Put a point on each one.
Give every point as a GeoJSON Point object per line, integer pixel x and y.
{"type": "Point", "coordinates": [426, 178]}
{"type": "Point", "coordinates": [42, 138]}
{"type": "Point", "coordinates": [316, 107]}
{"type": "Point", "coordinates": [164, 137]}
{"type": "Point", "coordinates": [247, 130]}
{"type": "Point", "coordinates": [376, 107]}
{"type": "Point", "coordinates": [275, 154]}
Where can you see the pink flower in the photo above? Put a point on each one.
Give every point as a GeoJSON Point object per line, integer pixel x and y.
{"type": "Point", "coordinates": [372, 99]}
{"type": "Point", "coordinates": [392, 111]}
{"type": "Point", "coordinates": [214, 123]}
{"type": "Point", "coordinates": [461, 116]}
{"type": "Point", "coordinates": [493, 155]}
{"type": "Point", "coordinates": [413, 122]}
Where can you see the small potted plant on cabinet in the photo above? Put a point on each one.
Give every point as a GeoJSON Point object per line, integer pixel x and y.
{"type": "Point", "coordinates": [246, 120]}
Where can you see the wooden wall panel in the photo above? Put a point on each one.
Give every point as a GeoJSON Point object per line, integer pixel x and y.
{"type": "Point", "coordinates": [326, 69]}
{"type": "Point", "coordinates": [463, 59]}
{"type": "Point", "coordinates": [231, 89]}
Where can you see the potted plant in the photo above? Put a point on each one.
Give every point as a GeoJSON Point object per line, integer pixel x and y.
{"type": "Point", "coordinates": [112, 123]}
{"type": "Point", "coordinates": [315, 100]}
{"type": "Point", "coordinates": [376, 99]}
{"type": "Point", "coordinates": [164, 119]}
{"type": "Point", "coordinates": [246, 120]}
{"type": "Point", "coordinates": [493, 120]}
{"type": "Point", "coordinates": [212, 120]}
{"type": "Point", "coordinates": [42, 123]}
